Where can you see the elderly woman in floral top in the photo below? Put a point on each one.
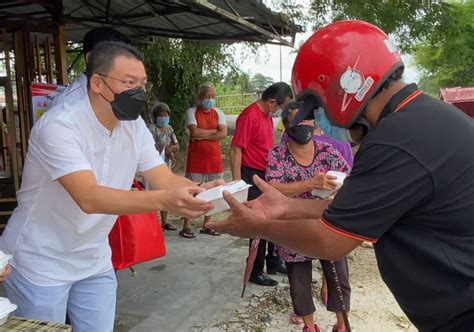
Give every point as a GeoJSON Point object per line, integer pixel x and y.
{"type": "Point", "coordinates": [296, 168]}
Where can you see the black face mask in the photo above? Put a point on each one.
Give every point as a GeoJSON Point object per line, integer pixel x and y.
{"type": "Point", "coordinates": [301, 134]}
{"type": "Point", "coordinates": [129, 104]}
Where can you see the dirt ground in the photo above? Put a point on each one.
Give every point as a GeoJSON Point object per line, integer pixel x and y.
{"type": "Point", "coordinates": [197, 287]}
{"type": "Point", "coordinates": [373, 307]}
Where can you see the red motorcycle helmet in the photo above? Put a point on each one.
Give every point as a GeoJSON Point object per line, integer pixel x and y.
{"type": "Point", "coordinates": [340, 68]}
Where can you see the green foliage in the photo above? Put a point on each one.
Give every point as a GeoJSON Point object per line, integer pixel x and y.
{"type": "Point", "coordinates": [292, 11]}
{"type": "Point", "coordinates": [177, 68]}
{"type": "Point", "coordinates": [261, 82]}
{"type": "Point", "coordinates": [236, 82]}
{"type": "Point", "coordinates": [75, 61]}
{"type": "Point", "coordinates": [450, 62]}
{"type": "Point", "coordinates": [428, 86]}
{"type": "Point", "coordinates": [235, 93]}
{"type": "Point", "coordinates": [235, 103]}
{"type": "Point", "coordinates": [439, 34]}
{"type": "Point", "coordinates": [410, 21]}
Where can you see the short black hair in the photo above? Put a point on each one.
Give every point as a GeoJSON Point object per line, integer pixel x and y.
{"type": "Point", "coordinates": [101, 34]}
{"type": "Point", "coordinates": [278, 91]}
{"type": "Point", "coordinates": [103, 55]}
{"type": "Point", "coordinates": [285, 115]}
{"type": "Point", "coordinates": [161, 107]}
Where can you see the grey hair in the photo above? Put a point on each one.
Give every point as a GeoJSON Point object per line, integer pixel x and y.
{"type": "Point", "coordinates": [161, 107]}
{"type": "Point", "coordinates": [204, 86]}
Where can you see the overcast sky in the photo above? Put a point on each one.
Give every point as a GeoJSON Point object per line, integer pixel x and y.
{"type": "Point", "coordinates": [268, 62]}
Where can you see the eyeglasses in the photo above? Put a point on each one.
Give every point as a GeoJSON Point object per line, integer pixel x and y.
{"type": "Point", "coordinates": [131, 84]}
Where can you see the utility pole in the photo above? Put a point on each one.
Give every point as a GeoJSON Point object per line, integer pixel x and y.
{"type": "Point", "coordinates": [280, 65]}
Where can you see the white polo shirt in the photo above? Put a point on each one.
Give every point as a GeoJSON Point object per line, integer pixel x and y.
{"type": "Point", "coordinates": [52, 241]}
{"type": "Point", "coordinates": [73, 92]}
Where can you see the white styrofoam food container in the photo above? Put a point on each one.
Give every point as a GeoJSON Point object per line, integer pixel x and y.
{"type": "Point", "coordinates": [4, 259]}
{"type": "Point", "coordinates": [6, 307]}
{"type": "Point", "coordinates": [325, 193]}
{"type": "Point", "coordinates": [239, 189]}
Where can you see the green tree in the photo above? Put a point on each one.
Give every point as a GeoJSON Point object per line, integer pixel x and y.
{"type": "Point", "coordinates": [427, 85]}
{"type": "Point", "coordinates": [177, 68]}
{"type": "Point", "coordinates": [75, 60]}
{"type": "Point", "coordinates": [450, 62]}
{"type": "Point", "coordinates": [261, 82]}
{"type": "Point", "coordinates": [439, 34]}
{"type": "Point", "coordinates": [410, 21]}
{"type": "Point", "coordinates": [236, 82]}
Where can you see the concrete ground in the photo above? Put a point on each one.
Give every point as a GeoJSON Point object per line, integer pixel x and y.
{"type": "Point", "coordinates": [197, 284]}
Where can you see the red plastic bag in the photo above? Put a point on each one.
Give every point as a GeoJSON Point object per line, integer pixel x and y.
{"type": "Point", "coordinates": [136, 238]}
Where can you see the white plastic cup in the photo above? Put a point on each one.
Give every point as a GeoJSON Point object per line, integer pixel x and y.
{"type": "Point", "coordinates": [325, 193]}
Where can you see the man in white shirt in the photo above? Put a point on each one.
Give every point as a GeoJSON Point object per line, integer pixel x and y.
{"type": "Point", "coordinates": [78, 88]}
{"type": "Point", "coordinates": [82, 158]}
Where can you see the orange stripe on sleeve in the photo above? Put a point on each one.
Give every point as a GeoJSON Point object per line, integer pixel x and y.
{"type": "Point", "coordinates": [345, 233]}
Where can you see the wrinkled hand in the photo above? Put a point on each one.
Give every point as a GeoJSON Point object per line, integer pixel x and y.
{"type": "Point", "coordinates": [271, 204]}
{"type": "Point", "coordinates": [181, 201]}
{"type": "Point", "coordinates": [6, 272]}
{"type": "Point", "coordinates": [212, 184]}
{"type": "Point", "coordinates": [323, 181]}
{"type": "Point", "coordinates": [240, 223]}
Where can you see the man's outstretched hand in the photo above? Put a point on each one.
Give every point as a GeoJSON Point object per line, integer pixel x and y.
{"type": "Point", "coordinates": [246, 219]}
{"type": "Point", "coordinates": [271, 204]}
{"type": "Point", "coordinates": [242, 221]}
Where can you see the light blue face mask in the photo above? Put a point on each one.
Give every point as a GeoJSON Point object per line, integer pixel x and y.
{"type": "Point", "coordinates": [162, 121]}
{"type": "Point", "coordinates": [340, 134]}
{"type": "Point", "coordinates": [208, 103]}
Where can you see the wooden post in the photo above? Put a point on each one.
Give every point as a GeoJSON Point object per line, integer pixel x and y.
{"type": "Point", "coordinates": [60, 55]}
{"type": "Point", "coordinates": [3, 155]}
{"type": "Point", "coordinates": [28, 77]}
{"type": "Point", "coordinates": [10, 115]}
{"type": "Point", "coordinates": [47, 60]}
{"type": "Point", "coordinates": [37, 54]}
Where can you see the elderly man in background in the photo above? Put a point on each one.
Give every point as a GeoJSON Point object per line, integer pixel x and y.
{"type": "Point", "coordinates": [207, 127]}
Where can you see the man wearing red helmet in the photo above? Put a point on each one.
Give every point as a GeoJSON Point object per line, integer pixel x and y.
{"type": "Point", "coordinates": [411, 189]}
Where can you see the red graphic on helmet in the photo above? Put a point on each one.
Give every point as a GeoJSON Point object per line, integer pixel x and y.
{"type": "Point", "coordinates": [351, 81]}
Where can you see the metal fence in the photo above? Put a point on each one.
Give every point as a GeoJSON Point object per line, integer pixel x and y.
{"type": "Point", "coordinates": [234, 104]}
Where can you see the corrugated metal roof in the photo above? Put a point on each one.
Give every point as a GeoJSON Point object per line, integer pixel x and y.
{"type": "Point", "coordinates": [457, 95]}
{"type": "Point", "coordinates": [220, 20]}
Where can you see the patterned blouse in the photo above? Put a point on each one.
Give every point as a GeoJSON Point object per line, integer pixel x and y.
{"type": "Point", "coordinates": [283, 168]}
{"type": "Point", "coordinates": [163, 137]}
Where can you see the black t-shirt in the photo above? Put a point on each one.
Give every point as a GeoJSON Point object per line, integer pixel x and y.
{"type": "Point", "coordinates": [411, 193]}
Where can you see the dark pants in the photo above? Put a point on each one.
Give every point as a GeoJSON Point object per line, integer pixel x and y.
{"type": "Point", "coordinates": [342, 270]}
{"type": "Point", "coordinates": [247, 174]}
{"type": "Point", "coordinates": [299, 277]}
